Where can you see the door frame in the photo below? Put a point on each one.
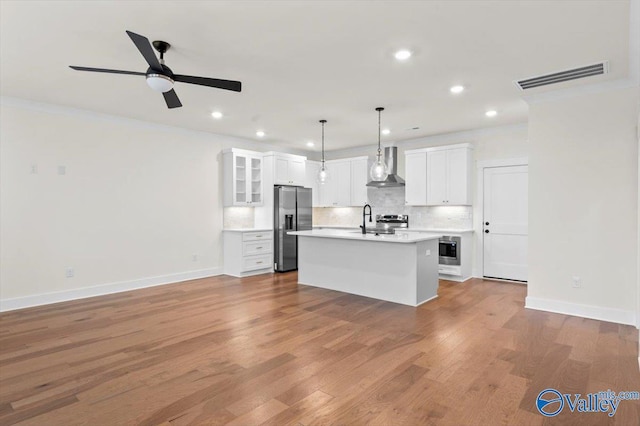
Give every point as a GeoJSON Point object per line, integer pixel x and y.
{"type": "Point", "coordinates": [479, 204]}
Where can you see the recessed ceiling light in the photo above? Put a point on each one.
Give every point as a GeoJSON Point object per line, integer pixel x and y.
{"type": "Point", "coordinates": [260, 134]}
{"type": "Point", "coordinates": [456, 89]}
{"type": "Point", "coordinates": [402, 55]}
{"type": "Point", "coordinates": [216, 114]}
{"type": "Point", "coordinates": [386, 131]}
{"type": "Point", "coordinates": [491, 113]}
{"type": "Point", "coordinates": [310, 144]}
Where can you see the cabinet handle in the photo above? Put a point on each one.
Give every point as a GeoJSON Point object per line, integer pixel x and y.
{"type": "Point", "coordinates": [259, 262]}
{"type": "Point", "coordinates": [258, 236]}
{"type": "Point", "coordinates": [486, 231]}
{"type": "Point", "coordinates": [258, 248]}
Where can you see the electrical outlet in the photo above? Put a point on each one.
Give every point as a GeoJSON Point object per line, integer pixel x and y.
{"type": "Point", "coordinates": [62, 170]}
{"type": "Point", "coordinates": [194, 257]}
{"type": "Point", "coordinates": [576, 282]}
{"type": "Point", "coordinates": [34, 169]}
{"type": "Point", "coordinates": [428, 253]}
{"type": "Point", "coordinates": [69, 272]}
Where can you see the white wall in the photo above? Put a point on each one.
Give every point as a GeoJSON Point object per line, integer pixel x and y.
{"type": "Point", "coordinates": [583, 163]}
{"type": "Point", "coordinates": [136, 203]}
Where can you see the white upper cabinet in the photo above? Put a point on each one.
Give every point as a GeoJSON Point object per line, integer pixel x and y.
{"type": "Point", "coordinates": [311, 170]}
{"type": "Point", "coordinates": [289, 170]}
{"type": "Point", "coordinates": [439, 176]}
{"type": "Point", "coordinates": [359, 178]}
{"type": "Point", "coordinates": [243, 182]}
{"type": "Point", "coordinates": [459, 164]}
{"type": "Point", "coordinates": [336, 192]}
{"type": "Point", "coordinates": [347, 183]}
{"type": "Point", "coordinates": [416, 179]}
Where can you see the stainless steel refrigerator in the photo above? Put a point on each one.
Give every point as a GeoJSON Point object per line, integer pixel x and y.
{"type": "Point", "coordinates": [292, 212]}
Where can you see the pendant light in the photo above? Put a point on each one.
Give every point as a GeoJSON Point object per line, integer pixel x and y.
{"type": "Point", "coordinates": [379, 170]}
{"type": "Point", "coordinates": [323, 176]}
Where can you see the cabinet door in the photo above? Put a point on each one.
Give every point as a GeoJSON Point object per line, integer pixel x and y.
{"type": "Point", "coordinates": [240, 180]}
{"type": "Point", "coordinates": [359, 178]}
{"type": "Point", "coordinates": [296, 172]}
{"type": "Point", "coordinates": [328, 190]}
{"type": "Point", "coordinates": [343, 183]}
{"type": "Point", "coordinates": [458, 177]}
{"type": "Point", "coordinates": [281, 171]}
{"type": "Point", "coordinates": [416, 179]}
{"type": "Point", "coordinates": [254, 180]}
{"type": "Point", "coordinates": [436, 177]}
{"type": "Point", "coordinates": [311, 171]}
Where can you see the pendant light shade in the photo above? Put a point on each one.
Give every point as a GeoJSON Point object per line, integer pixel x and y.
{"type": "Point", "coordinates": [379, 170]}
{"type": "Point", "coordinates": [323, 176]}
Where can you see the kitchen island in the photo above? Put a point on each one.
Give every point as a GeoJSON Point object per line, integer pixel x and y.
{"type": "Point", "coordinates": [400, 268]}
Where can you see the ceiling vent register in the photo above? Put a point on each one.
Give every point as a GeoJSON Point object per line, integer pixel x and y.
{"type": "Point", "coordinates": [562, 76]}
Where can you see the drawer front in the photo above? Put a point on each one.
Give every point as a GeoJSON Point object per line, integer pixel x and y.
{"type": "Point", "coordinates": [251, 248]}
{"type": "Point", "coordinates": [254, 236]}
{"type": "Point", "coordinates": [450, 270]}
{"type": "Point", "coordinates": [251, 263]}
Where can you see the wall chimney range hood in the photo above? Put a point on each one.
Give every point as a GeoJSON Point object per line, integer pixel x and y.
{"type": "Point", "coordinates": [392, 180]}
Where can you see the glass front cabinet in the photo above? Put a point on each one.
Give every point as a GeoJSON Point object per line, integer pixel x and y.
{"type": "Point", "coordinates": [242, 178]}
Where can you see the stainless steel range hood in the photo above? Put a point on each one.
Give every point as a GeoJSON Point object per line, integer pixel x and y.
{"type": "Point", "coordinates": [393, 180]}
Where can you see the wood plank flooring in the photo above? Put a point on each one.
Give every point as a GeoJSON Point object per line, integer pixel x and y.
{"type": "Point", "coordinates": [263, 350]}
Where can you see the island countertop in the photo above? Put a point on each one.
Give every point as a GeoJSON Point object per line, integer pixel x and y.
{"type": "Point", "coordinates": [403, 238]}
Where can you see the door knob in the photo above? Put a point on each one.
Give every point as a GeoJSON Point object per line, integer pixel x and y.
{"type": "Point", "coordinates": [486, 231]}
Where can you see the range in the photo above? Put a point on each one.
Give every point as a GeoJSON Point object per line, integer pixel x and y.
{"type": "Point", "coordinates": [388, 223]}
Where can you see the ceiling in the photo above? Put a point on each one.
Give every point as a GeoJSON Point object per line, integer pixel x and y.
{"type": "Point", "coordinates": [302, 61]}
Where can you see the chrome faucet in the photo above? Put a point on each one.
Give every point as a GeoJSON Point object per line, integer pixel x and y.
{"type": "Point", "coordinates": [364, 215]}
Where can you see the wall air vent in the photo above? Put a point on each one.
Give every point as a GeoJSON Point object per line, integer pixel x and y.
{"type": "Point", "coordinates": [568, 75]}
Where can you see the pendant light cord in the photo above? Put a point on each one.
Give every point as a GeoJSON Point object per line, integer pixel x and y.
{"type": "Point", "coordinates": [323, 121]}
{"type": "Point", "coordinates": [379, 109]}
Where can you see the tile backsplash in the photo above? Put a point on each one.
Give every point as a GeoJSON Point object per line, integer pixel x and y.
{"type": "Point", "coordinates": [238, 217]}
{"type": "Point", "coordinates": [391, 201]}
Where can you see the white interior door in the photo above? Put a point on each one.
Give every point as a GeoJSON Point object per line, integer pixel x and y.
{"type": "Point", "coordinates": [505, 222]}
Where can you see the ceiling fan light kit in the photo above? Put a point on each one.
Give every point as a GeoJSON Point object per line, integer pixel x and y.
{"type": "Point", "coordinates": [160, 82]}
{"type": "Point", "coordinates": [159, 76]}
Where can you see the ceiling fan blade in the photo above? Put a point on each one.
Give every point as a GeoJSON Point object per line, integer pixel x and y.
{"type": "Point", "coordinates": [171, 98]}
{"type": "Point", "coordinates": [236, 86]}
{"type": "Point", "coordinates": [144, 46]}
{"type": "Point", "coordinates": [105, 70]}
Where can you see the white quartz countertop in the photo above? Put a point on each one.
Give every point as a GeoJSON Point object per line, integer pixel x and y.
{"type": "Point", "coordinates": [247, 229]}
{"type": "Point", "coordinates": [407, 238]}
{"type": "Point", "coordinates": [445, 231]}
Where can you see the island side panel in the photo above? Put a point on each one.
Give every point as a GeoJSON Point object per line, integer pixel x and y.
{"type": "Point", "coordinates": [380, 270]}
{"type": "Point", "coordinates": [427, 272]}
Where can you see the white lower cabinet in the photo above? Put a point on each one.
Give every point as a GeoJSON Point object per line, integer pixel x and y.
{"type": "Point", "coordinates": [248, 252]}
{"type": "Point", "coordinates": [460, 272]}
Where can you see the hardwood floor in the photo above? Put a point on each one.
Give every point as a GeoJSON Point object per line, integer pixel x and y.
{"type": "Point", "coordinates": [263, 350]}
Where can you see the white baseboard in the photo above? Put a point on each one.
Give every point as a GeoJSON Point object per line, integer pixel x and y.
{"type": "Point", "coordinates": [99, 290]}
{"type": "Point", "coordinates": [619, 316]}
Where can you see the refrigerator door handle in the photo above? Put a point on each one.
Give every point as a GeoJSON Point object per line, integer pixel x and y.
{"type": "Point", "coordinates": [288, 220]}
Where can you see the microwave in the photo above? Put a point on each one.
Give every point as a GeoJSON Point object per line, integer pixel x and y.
{"type": "Point", "coordinates": [449, 250]}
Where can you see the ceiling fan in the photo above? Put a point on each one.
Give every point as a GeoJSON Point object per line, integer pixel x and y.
{"type": "Point", "coordinates": [160, 77]}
